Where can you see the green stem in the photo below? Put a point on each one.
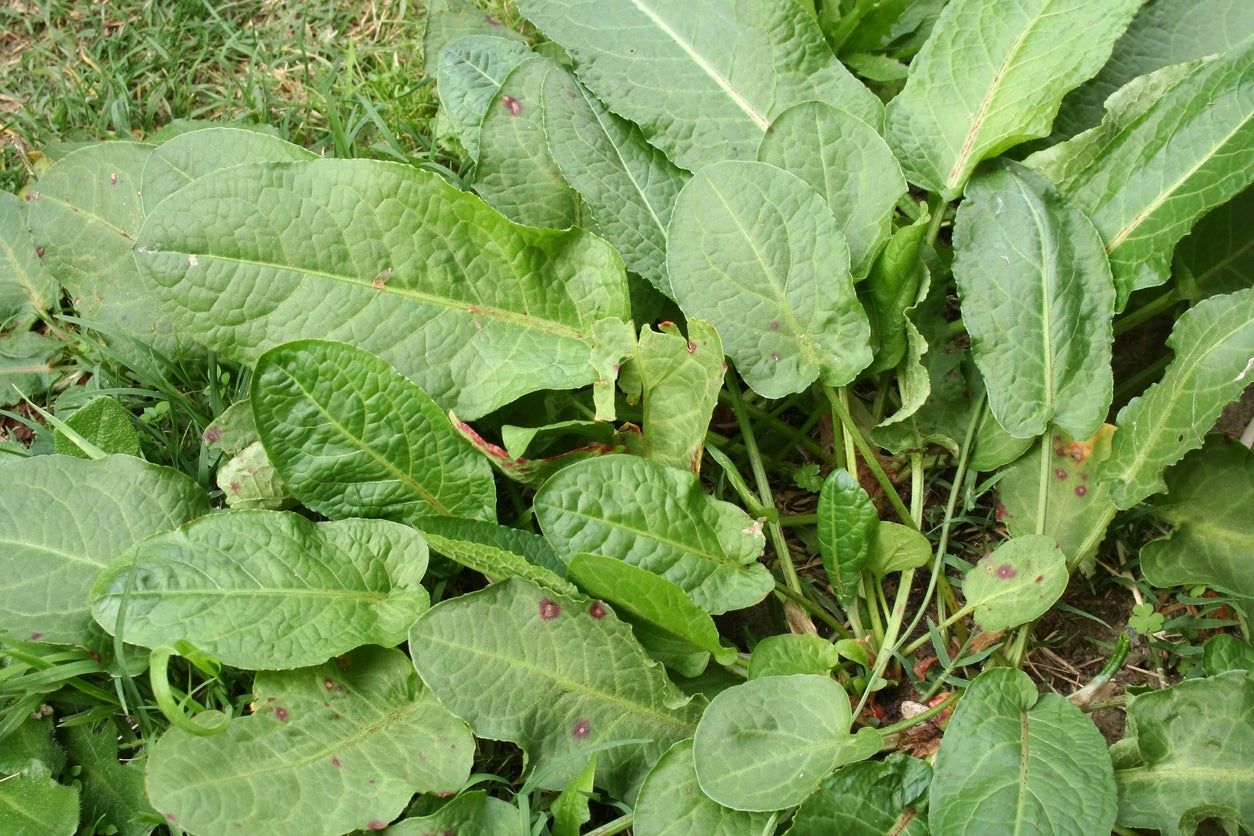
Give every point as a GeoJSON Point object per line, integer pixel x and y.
{"type": "Point", "coordinates": [920, 719]}
{"type": "Point", "coordinates": [205, 724]}
{"type": "Point", "coordinates": [923, 639]}
{"type": "Point", "coordinates": [778, 425]}
{"type": "Point", "coordinates": [1142, 377]}
{"type": "Point", "coordinates": [1085, 695]}
{"type": "Point", "coordinates": [1147, 311]}
{"type": "Point", "coordinates": [888, 646]}
{"type": "Point", "coordinates": [841, 413]}
{"type": "Point", "coordinates": [1042, 499]}
{"type": "Point", "coordinates": [788, 520]}
{"type": "Point", "coordinates": [618, 825]}
{"type": "Point", "coordinates": [814, 610]}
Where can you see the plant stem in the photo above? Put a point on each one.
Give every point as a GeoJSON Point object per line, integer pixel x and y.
{"type": "Point", "coordinates": [888, 646]}
{"type": "Point", "coordinates": [798, 519]}
{"type": "Point", "coordinates": [1147, 311]}
{"type": "Point", "coordinates": [814, 610]}
{"type": "Point", "coordinates": [920, 719]}
{"type": "Point", "coordinates": [841, 412]}
{"type": "Point", "coordinates": [1042, 499]}
{"type": "Point", "coordinates": [618, 825]}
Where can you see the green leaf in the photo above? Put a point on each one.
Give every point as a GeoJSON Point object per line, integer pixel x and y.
{"type": "Point", "coordinates": [874, 798]}
{"type": "Point", "coordinates": [895, 286]}
{"type": "Point", "coordinates": [628, 185]}
{"type": "Point", "coordinates": [680, 380]}
{"type": "Point", "coordinates": [26, 286]}
{"type": "Point", "coordinates": [703, 79]}
{"type": "Point", "coordinates": [650, 597]}
{"type": "Point", "coordinates": [26, 364]}
{"type": "Point", "coordinates": [766, 744]}
{"type": "Point", "coordinates": [103, 422]}
{"type": "Point", "coordinates": [896, 548]}
{"type": "Point", "coordinates": [449, 20]}
{"type": "Point", "coordinates": [756, 252]}
{"type": "Point", "coordinates": [233, 430]}
{"type": "Point", "coordinates": [1190, 749]}
{"type": "Point", "coordinates": [32, 740]}
{"type": "Point", "coordinates": [1037, 300]}
{"type": "Point", "coordinates": [1208, 506]}
{"type": "Point", "coordinates": [1213, 360]}
{"type": "Point", "coordinates": [265, 590]}
{"type": "Point", "coordinates": [845, 161]}
{"type": "Point", "coordinates": [847, 524]}
{"type": "Point", "coordinates": [558, 676]}
{"type": "Point", "coordinates": [991, 76]}
{"type": "Point", "coordinates": [471, 812]}
{"type": "Point", "coordinates": [249, 481]}
{"type": "Point", "coordinates": [994, 448]}
{"type": "Point", "coordinates": [516, 173]}
{"type": "Point", "coordinates": [470, 74]}
{"type": "Point", "coordinates": [789, 653]}
{"type": "Point", "coordinates": [62, 519]}
{"type": "Point", "coordinates": [1218, 255]}
{"type": "Point", "coordinates": [429, 277]}
{"type": "Point", "coordinates": [1013, 760]}
{"type": "Point", "coordinates": [32, 803]}
{"type": "Point", "coordinates": [352, 437]}
{"type": "Point", "coordinates": [112, 793]}
{"type": "Point", "coordinates": [659, 519]}
{"type": "Point", "coordinates": [1077, 504]}
{"type": "Point", "coordinates": [178, 161]}
{"type": "Point", "coordinates": [1147, 174]}
{"type": "Point", "coordinates": [1163, 32]}
{"type": "Point", "coordinates": [1226, 652]}
{"type": "Point", "coordinates": [339, 747]}
{"type": "Point", "coordinates": [570, 809]}
{"type": "Point", "coordinates": [1017, 583]}
{"type": "Point", "coordinates": [671, 803]}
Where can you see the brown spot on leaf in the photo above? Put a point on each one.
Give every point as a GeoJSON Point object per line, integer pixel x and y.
{"type": "Point", "coordinates": [1060, 473]}
{"type": "Point", "coordinates": [335, 761]}
{"type": "Point", "coordinates": [512, 105]}
{"type": "Point", "coordinates": [212, 435]}
{"type": "Point", "coordinates": [580, 730]}
{"type": "Point", "coordinates": [774, 326]}
{"type": "Point", "coordinates": [692, 347]}
{"type": "Point", "coordinates": [1080, 491]}
{"type": "Point", "coordinates": [36, 636]}
{"type": "Point", "coordinates": [113, 178]}
{"type": "Point", "coordinates": [39, 251]}
{"type": "Point", "coordinates": [1039, 578]}
{"type": "Point", "coordinates": [1006, 571]}
{"type": "Point", "coordinates": [281, 713]}
{"type": "Point", "coordinates": [549, 609]}
{"type": "Point", "coordinates": [596, 609]}
{"type": "Point", "coordinates": [235, 487]}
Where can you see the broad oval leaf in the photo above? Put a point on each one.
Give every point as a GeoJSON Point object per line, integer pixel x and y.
{"type": "Point", "coordinates": [339, 747]}
{"type": "Point", "coordinates": [660, 519]}
{"type": "Point", "coordinates": [471, 812]}
{"type": "Point", "coordinates": [26, 286]}
{"type": "Point", "coordinates": [991, 76]}
{"type": "Point", "coordinates": [765, 745]}
{"type": "Point", "coordinates": [1037, 300]}
{"type": "Point", "coordinates": [845, 161]}
{"type": "Point", "coordinates": [897, 284]}
{"type": "Point", "coordinates": [1013, 760]}
{"type": "Point", "coordinates": [556, 675]}
{"type": "Point", "coordinates": [671, 803]}
{"type": "Point", "coordinates": [1218, 255]}
{"type": "Point", "coordinates": [791, 653]}
{"type": "Point", "coordinates": [896, 548]}
{"type": "Point", "coordinates": [352, 437]}
{"type": "Point", "coordinates": [449, 20]}
{"type": "Point", "coordinates": [704, 78]}
{"type": "Point", "coordinates": [757, 252]}
{"type": "Point", "coordinates": [470, 74]}
{"type": "Point", "coordinates": [266, 590]}
{"type": "Point", "coordinates": [1214, 346]}
{"type": "Point", "coordinates": [62, 519]}
{"type": "Point", "coordinates": [847, 524]}
{"type": "Point", "coordinates": [1017, 583]}
{"type": "Point", "coordinates": [874, 798]}
{"type": "Point", "coordinates": [471, 307]}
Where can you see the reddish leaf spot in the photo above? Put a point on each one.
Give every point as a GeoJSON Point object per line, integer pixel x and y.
{"type": "Point", "coordinates": [692, 347]}
{"type": "Point", "coordinates": [1080, 491]}
{"type": "Point", "coordinates": [1006, 571]}
{"type": "Point", "coordinates": [774, 326]}
{"type": "Point", "coordinates": [1061, 453]}
{"type": "Point", "coordinates": [212, 435]}
{"type": "Point", "coordinates": [580, 730]}
{"type": "Point", "coordinates": [1039, 578]}
{"type": "Point", "coordinates": [596, 609]}
{"type": "Point", "coordinates": [39, 251]}
{"type": "Point", "coordinates": [169, 817]}
{"type": "Point", "coordinates": [235, 487]}
{"type": "Point", "coordinates": [280, 712]}
{"type": "Point", "coordinates": [444, 794]}
{"type": "Point", "coordinates": [1001, 513]}
{"type": "Point", "coordinates": [376, 825]}
{"type": "Point", "coordinates": [330, 684]}
{"type": "Point", "coordinates": [36, 636]}
{"type": "Point", "coordinates": [548, 609]}
{"type": "Point", "coordinates": [335, 761]}
{"type": "Point", "coordinates": [1060, 473]}
{"type": "Point", "coordinates": [512, 105]}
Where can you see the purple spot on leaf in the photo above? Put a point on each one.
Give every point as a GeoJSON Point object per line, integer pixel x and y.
{"type": "Point", "coordinates": [692, 347]}
{"type": "Point", "coordinates": [39, 251]}
{"type": "Point", "coordinates": [281, 713]}
{"type": "Point", "coordinates": [548, 609]}
{"type": "Point", "coordinates": [1080, 491]}
{"type": "Point", "coordinates": [36, 636]}
{"type": "Point", "coordinates": [376, 825]}
{"type": "Point", "coordinates": [212, 435]}
{"type": "Point", "coordinates": [580, 730]}
{"type": "Point", "coordinates": [1006, 571]}
{"type": "Point", "coordinates": [1039, 578]}
{"type": "Point", "coordinates": [335, 761]}
{"type": "Point", "coordinates": [1060, 473]}
{"type": "Point", "coordinates": [596, 609]}
{"type": "Point", "coordinates": [774, 326]}
{"type": "Point", "coordinates": [512, 105]}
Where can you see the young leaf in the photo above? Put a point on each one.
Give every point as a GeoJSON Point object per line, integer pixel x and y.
{"type": "Point", "coordinates": [26, 286]}
{"type": "Point", "coordinates": [671, 803]}
{"type": "Point", "coordinates": [659, 519]}
{"type": "Point", "coordinates": [496, 552]}
{"type": "Point", "coordinates": [766, 744]}
{"type": "Point", "coordinates": [352, 437]}
{"type": "Point", "coordinates": [1208, 506]}
{"type": "Point", "coordinates": [474, 309]}
{"type": "Point", "coordinates": [112, 793]}
{"type": "Point", "coordinates": [628, 185]}
{"type": "Point", "coordinates": [895, 548]}
{"type": "Point", "coordinates": [845, 161]}
{"type": "Point", "coordinates": [265, 590]}
{"type": "Point", "coordinates": [1187, 756]}
{"type": "Point", "coordinates": [104, 423]}
{"type": "Point", "coordinates": [703, 79]}
{"type": "Point", "coordinates": [472, 69]}
{"type": "Point", "coordinates": [1212, 365]}
{"type": "Point", "coordinates": [48, 569]}
{"type": "Point", "coordinates": [1037, 300]}
{"type": "Point", "coordinates": [450, 20]}
{"type": "Point", "coordinates": [339, 747]}
{"type": "Point", "coordinates": [1218, 255]}
{"type": "Point", "coordinates": [1017, 583]}
{"type": "Point", "coordinates": [470, 812]}
{"type": "Point", "coordinates": [757, 252]}
{"type": "Point", "coordinates": [790, 653]}
{"type": "Point", "coordinates": [991, 76]}
{"type": "Point", "coordinates": [847, 525]}
{"type": "Point", "coordinates": [249, 481]}
{"type": "Point", "coordinates": [556, 675]}
{"type": "Point", "coordinates": [895, 286]}
{"type": "Point", "coordinates": [868, 799]}
{"type": "Point", "coordinates": [680, 381]}
{"type": "Point", "coordinates": [1042, 764]}
{"type": "Point", "coordinates": [570, 809]}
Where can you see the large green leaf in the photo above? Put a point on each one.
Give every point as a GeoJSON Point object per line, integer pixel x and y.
{"type": "Point", "coordinates": [671, 803]}
{"type": "Point", "coordinates": [352, 437]}
{"type": "Point", "coordinates": [473, 308]}
{"type": "Point", "coordinates": [339, 747]}
{"type": "Point", "coordinates": [628, 185]}
{"type": "Point", "coordinates": [1218, 255]}
{"type": "Point", "coordinates": [792, 653]}
{"type": "Point", "coordinates": [1212, 365]}
{"type": "Point", "coordinates": [470, 813]}
{"type": "Point", "coordinates": [471, 71]}
{"type": "Point", "coordinates": [660, 519]}
{"type": "Point", "coordinates": [1017, 583]}
{"type": "Point", "coordinates": [758, 253]}
{"type": "Point", "coordinates": [847, 524]}
{"type": "Point", "coordinates": [1163, 32]}
{"type": "Point", "coordinates": [993, 75]}
{"type": "Point", "coordinates": [26, 286]}
{"type": "Point", "coordinates": [112, 793]}
{"type": "Point", "coordinates": [1037, 300]}
{"type": "Point", "coordinates": [1014, 761]}
{"type": "Point", "coordinates": [62, 519]}
{"type": "Point", "coordinates": [1145, 175]}
{"type": "Point", "coordinates": [1189, 755]}
{"type": "Point", "coordinates": [846, 162]}
{"type": "Point", "coordinates": [766, 744]}
{"type": "Point", "coordinates": [33, 803]}
{"type": "Point", "coordinates": [27, 364]}
{"type": "Point", "coordinates": [704, 79]}
{"type": "Point", "coordinates": [266, 590]}
{"type": "Point", "coordinates": [1208, 505]}
{"type": "Point", "coordinates": [558, 676]}
{"type": "Point", "coordinates": [875, 798]}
